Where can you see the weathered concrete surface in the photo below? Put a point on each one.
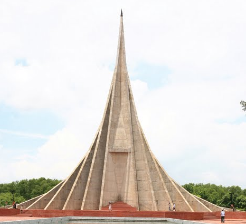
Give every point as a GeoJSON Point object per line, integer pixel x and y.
{"type": "Point", "coordinates": [120, 165]}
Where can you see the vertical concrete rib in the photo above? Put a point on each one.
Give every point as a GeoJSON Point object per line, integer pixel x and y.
{"type": "Point", "coordinates": [75, 197]}
{"type": "Point", "coordinates": [59, 199]}
{"type": "Point", "coordinates": [161, 194]}
{"type": "Point", "coordinates": [209, 205]}
{"type": "Point", "coordinates": [163, 203]}
{"type": "Point", "coordinates": [42, 201]}
{"type": "Point", "coordinates": [91, 199]}
{"type": "Point", "coordinates": [146, 194]}
{"type": "Point", "coordinates": [176, 196]}
{"type": "Point", "coordinates": [90, 176]}
{"type": "Point", "coordinates": [193, 202]}
{"type": "Point", "coordinates": [132, 168]}
{"type": "Point", "coordinates": [106, 147]}
{"type": "Point", "coordinates": [26, 204]}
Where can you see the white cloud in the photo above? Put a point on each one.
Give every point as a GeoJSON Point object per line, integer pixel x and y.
{"type": "Point", "coordinates": [55, 159]}
{"type": "Point", "coordinates": [70, 48]}
{"type": "Point", "coordinates": [23, 134]}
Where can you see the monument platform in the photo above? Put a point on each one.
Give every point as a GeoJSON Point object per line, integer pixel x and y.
{"type": "Point", "coordinates": [211, 217]}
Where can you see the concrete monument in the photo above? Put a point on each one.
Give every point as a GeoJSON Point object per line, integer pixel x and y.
{"type": "Point", "coordinates": [119, 165]}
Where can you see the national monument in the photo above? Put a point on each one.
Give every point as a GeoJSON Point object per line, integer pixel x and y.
{"type": "Point", "coordinates": [119, 165]}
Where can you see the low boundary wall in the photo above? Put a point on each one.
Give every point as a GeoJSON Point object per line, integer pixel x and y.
{"type": "Point", "coordinates": [103, 213]}
{"type": "Point", "coordinates": [9, 212]}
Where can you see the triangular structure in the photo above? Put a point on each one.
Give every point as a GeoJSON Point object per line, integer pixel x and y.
{"type": "Point", "coordinates": [119, 165]}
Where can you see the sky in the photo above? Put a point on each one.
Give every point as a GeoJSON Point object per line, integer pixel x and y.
{"type": "Point", "coordinates": [186, 62]}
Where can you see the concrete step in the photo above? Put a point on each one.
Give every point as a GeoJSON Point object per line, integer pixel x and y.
{"type": "Point", "coordinates": [120, 206]}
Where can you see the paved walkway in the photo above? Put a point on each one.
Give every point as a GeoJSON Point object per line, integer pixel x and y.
{"type": "Point", "coordinates": [212, 221]}
{"type": "Point", "coordinates": [15, 218]}
{"type": "Point", "coordinates": [227, 221]}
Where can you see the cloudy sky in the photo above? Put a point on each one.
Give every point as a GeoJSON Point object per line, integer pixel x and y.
{"type": "Point", "coordinates": [186, 61]}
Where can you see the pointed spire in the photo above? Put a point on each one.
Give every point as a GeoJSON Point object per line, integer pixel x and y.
{"type": "Point", "coordinates": [121, 54]}
{"type": "Point", "coordinates": [121, 13]}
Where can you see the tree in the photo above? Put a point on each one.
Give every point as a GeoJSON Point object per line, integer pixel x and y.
{"type": "Point", "coordinates": [12, 189]}
{"type": "Point", "coordinates": [244, 192]}
{"type": "Point", "coordinates": [23, 190]}
{"type": "Point", "coordinates": [243, 103]}
{"type": "Point", "coordinates": [219, 195]}
{"type": "Point", "coordinates": [241, 202]}
{"type": "Point", "coordinates": [189, 187]}
{"type": "Point", "coordinates": [5, 197]}
{"type": "Point", "coordinates": [234, 191]}
{"type": "Point", "coordinates": [225, 201]}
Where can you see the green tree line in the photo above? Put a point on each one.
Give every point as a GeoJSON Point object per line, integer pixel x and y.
{"type": "Point", "coordinates": [23, 190]}
{"type": "Point", "coordinates": [219, 195]}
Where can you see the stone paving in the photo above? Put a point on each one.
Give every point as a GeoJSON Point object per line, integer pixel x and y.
{"type": "Point", "coordinates": [212, 221]}
{"type": "Point", "coordinates": [16, 218]}
{"type": "Point", "coordinates": [227, 221]}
